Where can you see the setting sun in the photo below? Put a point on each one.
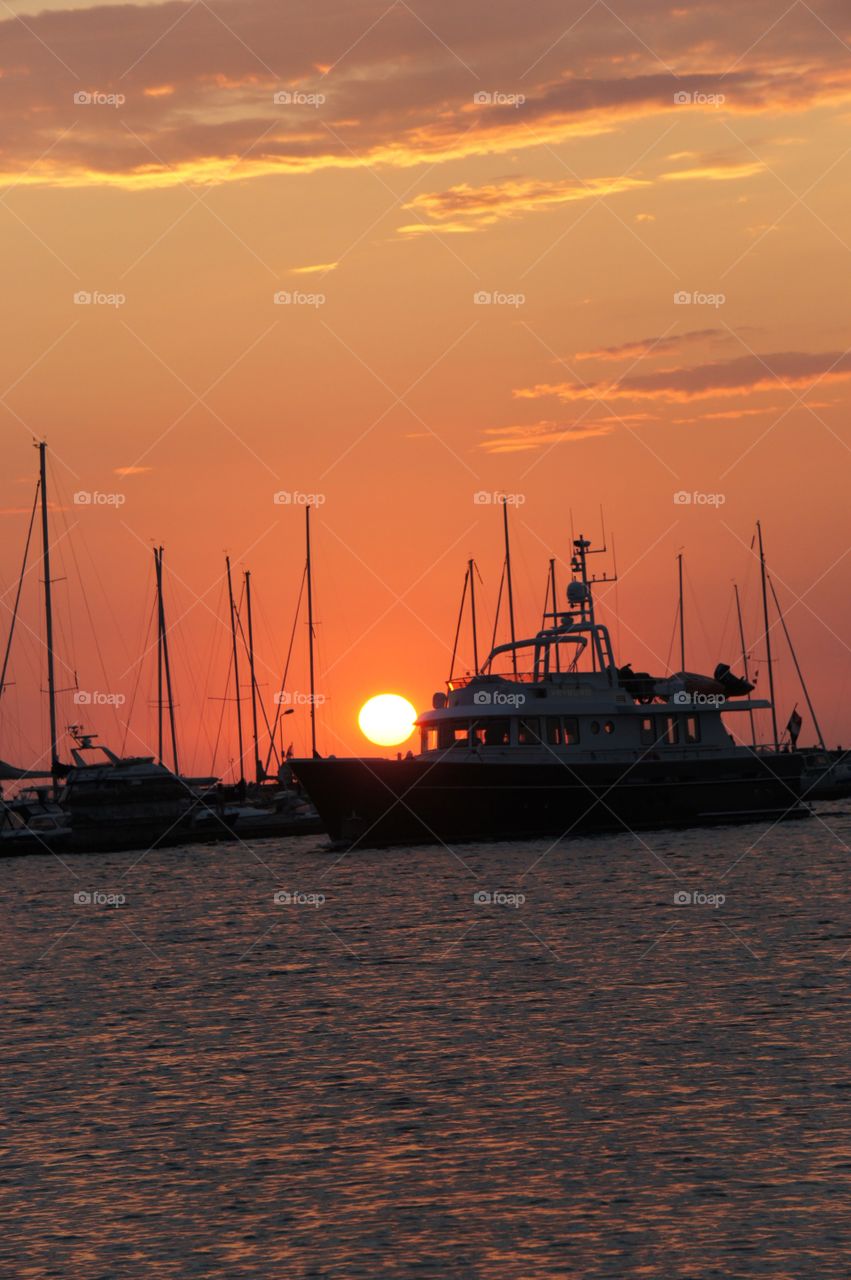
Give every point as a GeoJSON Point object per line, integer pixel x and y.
{"type": "Point", "coordinates": [387, 719]}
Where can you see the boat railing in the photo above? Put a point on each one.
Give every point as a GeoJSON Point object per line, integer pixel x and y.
{"type": "Point", "coordinates": [510, 677]}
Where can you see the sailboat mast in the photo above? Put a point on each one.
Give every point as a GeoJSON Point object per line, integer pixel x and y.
{"type": "Point", "coordinates": [744, 656]}
{"type": "Point", "coordinates": [258, 770]}
{"type": "Point", "coordinates": [166, 664]}
{"type": "Point", "coordinates": [235, 670]}
{"type": "Point", "coordinates": [159, 580]}
{"type": "Point", "coordinates": [682, 616]}
{"type": "Point", "coordinates": [310, 633]}
{"type": "Point", "coordinates": [498, 609]}
{"type": "Point", "coordinates": [472, 570]}
{"type": "Point", "coordinates": [48, 608]}
{"type": "Point", "coordinates": [767, 636]}
{"type": "Point", "coordinates": [555, 608]}
{"type": "Point", "coordinates": [510, 589]}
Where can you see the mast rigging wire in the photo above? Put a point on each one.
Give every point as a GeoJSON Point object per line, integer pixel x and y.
{"type": "Point", "coordinates": [286, 668]}
{"type": "Point", "coordinates": [18, 593]}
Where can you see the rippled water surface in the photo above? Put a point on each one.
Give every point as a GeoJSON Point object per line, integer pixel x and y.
{"type": "Point", "coordinates": [403, 1081]}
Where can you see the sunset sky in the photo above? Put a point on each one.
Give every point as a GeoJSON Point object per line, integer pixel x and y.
{"type": "Point", "coordinates": [654, 199]}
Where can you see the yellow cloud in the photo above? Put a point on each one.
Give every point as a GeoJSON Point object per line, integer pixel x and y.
{"type": "Point", "coordinates": [322, 267]}
{"type": "Point", "coordinates": [465, 208]}
{"type": "Point", "coordinates": [744, 376]}
{"type": "Point", "coordinates": [524, 437]}
{"type": "Point", "coordinates": [715, 172]}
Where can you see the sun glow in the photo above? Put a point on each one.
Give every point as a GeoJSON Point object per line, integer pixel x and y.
{"type": "Point", "coordinates": [387, 719]}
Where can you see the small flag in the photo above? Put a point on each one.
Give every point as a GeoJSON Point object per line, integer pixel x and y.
{"type": "Point", "coordinates": [793, 728]}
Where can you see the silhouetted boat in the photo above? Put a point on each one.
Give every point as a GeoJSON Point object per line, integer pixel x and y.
{"type": "Point", "coordinates": [107, 802]}
{"type": "Point", "coordinates": [124, 802]}
{"type": "Point", "coordinates": [132, 802]}
{"type": "Point", "coordinates": [32, 822]}
{"type": "Point", "coordinates": [569, 745]}
{"type": "Point", "coordinates": [827, 775]}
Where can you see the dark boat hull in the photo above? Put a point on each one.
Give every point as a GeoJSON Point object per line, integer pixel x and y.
{"type": "Point", "coordinates": [262, 826]}
{"type": "Point", "coordinates": [27, 844]}
{"type": "Point", "coordinates": [365, 802]}
{"type": "Point", "coordinates": [113, 835]}
{"type": "Point", "coordinates": [115, 838]}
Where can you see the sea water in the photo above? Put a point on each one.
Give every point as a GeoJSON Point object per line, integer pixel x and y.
{"type": "Point", "coordinates": [622, 1056]}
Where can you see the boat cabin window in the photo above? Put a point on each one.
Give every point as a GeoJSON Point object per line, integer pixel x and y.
{"type": "Point", "coordinates": [609, 726]}
{"type": "Point", "coordinates": [529, 732]}
{"type": "Point", "coordinates": [453, 733]}
{"type": "Point", "coordinates": [562, 732]}
{"type": "Point", "coordinates": [497, 733]}
{"type": "Point", "coordinates": [490, 733]}
{"type": "Point", "coordinates": [671, 730]}
{"type": "Point", "coordinates": [648, 732]}
{"type": "Point", "coordinates": [692, 729]}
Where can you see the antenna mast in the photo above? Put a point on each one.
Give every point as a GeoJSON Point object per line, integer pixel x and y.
{"type": "Point", "coordinates": [579, 567]}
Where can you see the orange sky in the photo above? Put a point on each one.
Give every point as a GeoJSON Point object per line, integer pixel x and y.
{"type": "Point", "coordinates": [581, 166]}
